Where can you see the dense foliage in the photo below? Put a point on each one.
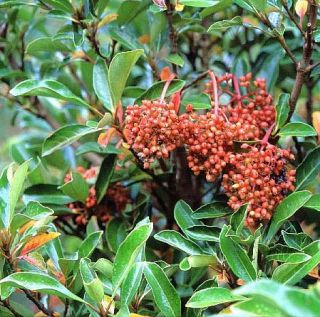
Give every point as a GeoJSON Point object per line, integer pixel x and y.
{"type": "Point", "coordinates": [160, 158]}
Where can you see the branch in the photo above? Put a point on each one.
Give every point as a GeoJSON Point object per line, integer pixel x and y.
{"type": "Point", "coordinates": [292, 17]}
{"type": "Point", "coordinates": [172, 32]}
{"type": "Point", "coordinates": [39, 305]}
{"type": "Point", "coordinates": [7, 305]}
{"type": "Point", "coordinates": [305, 63]}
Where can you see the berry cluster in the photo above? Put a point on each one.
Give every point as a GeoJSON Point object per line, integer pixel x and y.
{"type": "Point", "coordinates": [261, 177]}
{"type": "Point", "coordinates": [152, 130]}
{"type": "Point", "coordinates": [115, 200]}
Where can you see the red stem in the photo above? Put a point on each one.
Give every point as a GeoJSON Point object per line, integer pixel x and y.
{"type": "Point", "coordinates": [215, 91]}
{"type": "Point", "coordinates": [265, 139]}
{"type": "Point", "coordinates": [166, 86]}
{"type": "Point", "coordinates": [237, 89]}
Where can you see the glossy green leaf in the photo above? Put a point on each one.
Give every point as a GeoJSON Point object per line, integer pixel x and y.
{"type": "Point", "coordinates": [164, 294]}
{"type": "Point", "coordinates": [212, 296]}
{"type": "Point", "coordinates": [183, 216]}
{"type": "Point", "coordinates": [238, 218]}
{"type": "Point", "coordinates": [101, 84]}
{"type": "Point", "coordinates": [288, 257]}
{"type": "Point", "coordinates": [198, 3]}
{"type": "Point", "coordinates": [46, 194]}
{"type": "Point", "coordinates": [76, 188]}
{"type": "Point", "coordinates": [282, 109]}
{"type": "Point", "coordinates": [115, 233]}
{"type": "Point", "coordinates": [45, 44]}
{"type": "Point", "coordinates": [36, 281]}
{"type": "Point", "coordinates": [65, 136]}
{"type": "Point", "coordinates": [313, 202]}
{"type": "Point", "coordinates": [105, 175]}
{"type": "Point", "coordinates": [287, 208]}
{"type": "Point", "coordinates": [154, 92]}
{"type": "Point", "coordinates": [91, 282]}
{"type": "Point", "coordinates": [89, 244]}
{"type": "Point", "coordinates": [198, 101]}
{"type": "Point", "coordinates": [308, 169]}
{"type": "Point", "coordinates": [131, 283]}
{"type": "Point", "coordinates": [297, 129]}
{"type": "Point", "coordinates": [16, 185]}
{"type": "Point", "coordinates": [212, 210]}
{"type": "Point", "coordinates": [128, 252]}
{"type": "Point", "coordinates": [120, 68]}
{"type": "Point", "coordinates": [225, 24]}
{"type": "Point", "coordinates": [236, 257]}
{"type": "Point", "coordinates": [203, 260]}
{"type": "Point", "coordinates": [291, 301]}
{"type": "Point", "coordinates": [176, 240]}
{"type": "Point", "coordinates": [291, 274]}
{"type": "Point", "coordinates": [204, 233]}
{"type": "Point", "coordinates": [175, 59]}
{"type": "Point", "coordinates": [296, 241]}
{"type": "Point", "coordinates": [47, 88]}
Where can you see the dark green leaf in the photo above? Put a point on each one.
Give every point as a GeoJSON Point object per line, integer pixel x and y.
{"type": "Point", "coordinates": [213, 210]}
{"type": "Point", "coordinates": [282, 108]}
{"type": "Point", "coordinates": [308, 169]}
{"type": "Point", "coordinates": [77, 188]}
{"type": "Point", "coordinates": [297, 129]}
{"type": "Point", "coordinates": [236, 257]}
{"type": "Point", "coordinates": [225, 24]}
{"type": "Point", "coordinates": [164, 294]}
{"type": "Point", "coordinates": [285, 210]}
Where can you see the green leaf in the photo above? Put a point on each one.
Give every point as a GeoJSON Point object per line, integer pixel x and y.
{"type": "Point", "coordinates": [238, 218]}
{"type": "Point", "coordinates": [291, 274]}
{"type": "Point", "coordinates": [204, 233]}
{"type": "Point", "coordinates": [65, 136]}
{"type": "Point", "coordinates": [308, 170]}
{"type": "Point", "coordinates": [225, 24]}
{"type": "Point", "coordinates": [89, 244]}
{"type": "Point", "coordinates": [120, 68]}
{"type": "Point", "coordinates": [175, 59]}
{"type": "Point", "coordinates": [313, 202]}
{"type": "Point", "coordinates": [285, 210]}
{"type": "Point", "coordinates": [176, 240]}
{"type": "Point", "coordinates": [297, 129]}
{"type": "Point", "coordinates": [164, 294]}
{"type": "Point", "coordinates": [183, 216]}
{"type": "Point", "coordinates": [105, 175]}
{"type": "Point", "coordinates": [154, 92]}
{"type": "Point", "coordinates": [200, 261]}
{"type": "Point", "coordinates": [115, 233]}
{"type": "Point", "coordinates": [36, 281]}
{"type": "Point", "coordinates": [46, 194]}
{"type": "Point", "coordinates": [212, 296]}
{"type": "Point", "coordinates": [288, 257]}
{"type": "Point", "coordinates": [236, 257]}
{"type": "Point", "coordinates": [131, 283]}
{"type": "Point", "coordinates": [282, 109]}
{"type": "Point", "coordinates": [76, 188]}
{"type": "Point", "coordinates": [128, 252]}
{"type": "Point", "coordinates": [101, 84]}
{"type": "Point", "coordinates": [212, 210]}
{"type": "Point", "coordinates": [47, 88]}
{"type": "Point", "coordinates": [292, 301]}
{"type": "Point", "coordinates": [198, 101]}
{"type": "Point", "coordinates": [16, 186]}
{"type": "Point", "coordinates": [91, 282]}
{"type": "Point", "coordinates": [45, 44]}
{"type": "Point", "coordinates": [296, 241]}
{"type": "Point", "coordinates": [198, 3]}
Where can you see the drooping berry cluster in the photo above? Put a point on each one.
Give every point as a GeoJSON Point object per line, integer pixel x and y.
{"type": "Point", "coordinates": [152, 130]}
{"type": "Point", "coordinates": [261, 177]}
{"type": "Point", "coordinates": [115, 200]}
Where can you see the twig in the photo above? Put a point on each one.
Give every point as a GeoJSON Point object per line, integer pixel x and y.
{"type": "Point", "coordinates": [7, 305]}
{"type": "Point", "coordinates": [195, 81]}
{"type": "Point", "coordinates": [172, 32]}
{"type": "Point", "coordinates": [66, 307]}
{"type": "Point", "coordinates": [292, 17]}
{"type": "Point", "coordinates": [39, 305]}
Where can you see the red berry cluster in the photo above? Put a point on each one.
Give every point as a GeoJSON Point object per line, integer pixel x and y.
{"type": "Point", "coordinates": [261, 177]}
{"type": "Point", "coordinates": [115, 200]}
{"type": "Point", "coordinates": [152, 130]}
